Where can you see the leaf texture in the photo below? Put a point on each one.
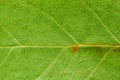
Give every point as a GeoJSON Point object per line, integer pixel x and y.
{"type": "Point", "coordinates": [37, 39]}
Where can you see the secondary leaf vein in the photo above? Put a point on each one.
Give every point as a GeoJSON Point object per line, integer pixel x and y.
{"type": "Point", "coordinates": [53, 21]}
{"type": "Point", "coordinates": [45, 71]}
{"type": "Point", "coordinates": [98, 64]}
{"type": "Point", "coordinates": [5, 58]}
{"type": "Point", "coordinates": [92, 10]}
{"type": "Point", "coordinates": [11, 34]}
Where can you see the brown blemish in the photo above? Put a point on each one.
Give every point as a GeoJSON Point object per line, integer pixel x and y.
{"type": "Point", "coordinates": [75, 48]}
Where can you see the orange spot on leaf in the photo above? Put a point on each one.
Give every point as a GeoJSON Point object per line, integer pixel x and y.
{"type": "Point", "coordinates": [75, 48]}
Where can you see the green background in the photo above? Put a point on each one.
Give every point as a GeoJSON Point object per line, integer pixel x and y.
{"type": "Point", "coordinates": [37, 38]}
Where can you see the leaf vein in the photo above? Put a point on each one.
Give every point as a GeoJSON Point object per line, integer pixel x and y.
{"type": "Point", "coordinates": [9, 52]}
{"type": "Point", "coordinates": [10, 34]}
{"type": "Point", "coordinates": [52, 19]}
{"type": "Point", "coordinates": [98, 64]}
{"type": "Point", "coordinates": [59, 54]}
{"type": "Point", "coordinates": [100, 20]}
{"type": "Point", "coordinates": [64, 46]}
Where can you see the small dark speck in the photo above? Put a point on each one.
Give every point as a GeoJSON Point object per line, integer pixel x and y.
{"type": "Point", "coordinates": [116, 50]}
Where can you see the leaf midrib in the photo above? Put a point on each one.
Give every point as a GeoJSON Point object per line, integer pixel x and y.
{"type": "Point", "coordinates": [64, 46]}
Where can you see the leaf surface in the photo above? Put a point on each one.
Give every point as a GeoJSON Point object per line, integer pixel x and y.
{"type": "Point", "coordinates": [38, 39]}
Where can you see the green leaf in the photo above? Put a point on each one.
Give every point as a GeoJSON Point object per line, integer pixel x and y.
{"type": "Point", "coordinates": [59, 40]}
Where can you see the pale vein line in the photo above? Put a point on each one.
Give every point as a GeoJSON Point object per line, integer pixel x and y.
{"type": "Point", "coordinates": [65, 46]}
{"type": "Point", "coordinates": [118, 30]}
{"type": "Point", "coordinates": [9, 52]}
{"type": "Point", "coordinates": [53, 21]}
{"type": "Point", "coordinates": [11, 34]}
{"type": "Point", "coordinates": [38, 78]}
{"type": "Point", "coordinates": [100, 21]}
{"type": "Point", "coordinates": [98, 64]}
{"type": "Point", "coordinates": [116, 75]}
